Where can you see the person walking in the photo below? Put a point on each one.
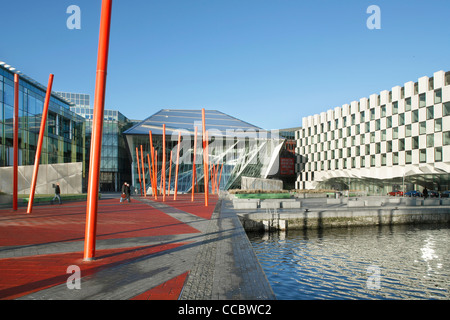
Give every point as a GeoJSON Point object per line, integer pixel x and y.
{"type": "Point", "coordinates": [57, 194]}
{"type": "Point", "coordinates": [425, 193]}
{"type": "Point", "coordinates": [125, 192]}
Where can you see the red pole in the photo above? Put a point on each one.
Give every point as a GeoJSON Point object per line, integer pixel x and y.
{"type": "Point", "coordinates": [150, 171]}
{"type": "Point", "coordinates": [97, 128]}
{"type": "Point", "coordinates": [176, 170]}
{"type": "Point", "coordinates": [16, 141]}
{"type": "Point", "coordinates": [155, 174]}
{"type": "Point", "coordinates": [153, 166]}
{"type": "Point", "coordinates": [163, 173]}
{"type": "Point", "coordinates": [143, 172]}
{"type": "Point", "coordinates": [205, 159]}
{"type": "Point", "coordinates": [170, 172]}
{"type": "Point", "coordinates": [193, 164]}
{"type": "Point", "coordinates": [139, 169]}
{"type": "Point", "coordinates": [39, 145]}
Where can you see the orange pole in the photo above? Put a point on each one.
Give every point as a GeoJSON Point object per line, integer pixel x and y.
{"type": "Point", "coordinates": [153, 166]}
{"type": "Point", "coordinates": [150, 171]}
{"type": "Point", "coordinates": [16, 142]}
{"type": "Point", "coordinates": [205, 158]}
{"type": "Point", "coordinates": [193, 164]}
{"type": "Point", "coordinates": [155, 174]}
{"type": "Point", "coordinates": [164, 163]}
{"type": "Point", "coordinates": [39, 145]}
{"type": "Point", "coordinates": [97, 128]}
{"type": "Point", "coordinates": [170, 173]}
{"type": "Point", "coordinates": [143, 172]}
{"type": "Point", "coordinates": [176, 170]}
{"type": "Point", "coordinates": [139, 170]}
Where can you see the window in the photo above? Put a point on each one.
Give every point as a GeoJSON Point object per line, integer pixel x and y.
{"type": "Point", "coordinates": [438, 154]}
{"type": "Point", "coordinates": [372, 161]}
{"type": "Point", "coordinates": [395, 158]}
{"type": "Point", "coordinates": [438, 125]}
{"type": "Point", "coordinates": [423, 155]}
{"type": "Point", "coordinates": [401, 144]}
{"type": "Point", "coordinates": [363, 162]}
{"type": "Point", "coordinates": [383, 111]}
{"type": "Point", "coordinates": [377, 148]}
{"type": "Point", "coordinates": [422, 100]}
{"type": "Point", "coordinates": [372, 114]}
{"type": "Point", "coordinates": [422, 127]}
{"type": "Point", "coordinates": [383, 159]}
{"type": "Point", "coordinates": [408, 157]}
{"type": "Point", "coordinates": [401, 119]}
{"type": "Point", "coordinates": [395, 133]}
{"type": "Point", "coordinates": [415, 116]}
{"type": "Point", "coordinates": [430, 112]}
{"type": "Point", "coordinates": [430, 140]}
{"type": "Point", "coordinates": [389, 122]}
{"type": "Point", "coordinates": [408, 130]}
{"type": "Point", "coordinates": [446, 107]}
{"type": "Point", "coordinates": [389, 146]}
{"type": "Point", "coordinates": [383, 135]}
{"type": "Point", "coordinates": [438, 96]}
{"type": "Point", "coordinates": [377, 124]}
{"type": "Point", "coordinates": [408, 104]}
{"type": "Point", "coordinates": [446, 138]}
{"type": "Point", "coordinates": [415, 142]}
{"type": "Point", "coordinates": [395, 107]}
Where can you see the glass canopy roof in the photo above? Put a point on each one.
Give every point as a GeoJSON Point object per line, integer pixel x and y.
{"type": "Point", "coordinates": [187, 120]}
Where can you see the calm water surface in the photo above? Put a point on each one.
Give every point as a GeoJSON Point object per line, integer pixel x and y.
{"type": "Point", "coordinates": [399, 262]}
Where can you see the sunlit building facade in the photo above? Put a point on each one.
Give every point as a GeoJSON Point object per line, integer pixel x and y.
{"type": "Point", "coordinates": [395, 140]}
{"type": "Point", "coordinates": [235, 147]}
{"type": "Point", "coordinates": [64, 139]}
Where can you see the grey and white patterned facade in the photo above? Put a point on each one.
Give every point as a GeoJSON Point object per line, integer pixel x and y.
{"type": "Point", "coordinates": [376, 143]}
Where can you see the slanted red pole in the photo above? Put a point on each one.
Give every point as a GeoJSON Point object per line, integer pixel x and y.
{"type": "Point", "coordinates": [155, 173]}
{"type": "Point", "coordinates": [143, 171]}
{"type": "Point", "coordinates": [16, 142]}
{"type": "Point", "coordinates": [139, 169]}
{"type": "Point", "coordinates": [97, 130]}
{"type": "Point", "coordinates": [39, 145]}
{"type": "Point", "coordinates": [176, 170]}
{"type": "Point", "coordinates": [193, 164]}
{"type": "Point", "coordinates": [170, 173]}
{"type": "Point", "coordinates": [205, 159]}
{"type": "Point", "coordinates": [153, 165]}
{"type": "Point", "coordinates": [163, 173]}
{"type": "Point", "coordinates": [150, 173]}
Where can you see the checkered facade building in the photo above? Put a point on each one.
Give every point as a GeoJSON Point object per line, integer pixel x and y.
{"type": "Point", "coordinates": [404, 131]}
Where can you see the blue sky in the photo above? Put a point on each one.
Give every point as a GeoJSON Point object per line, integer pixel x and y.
{"type": "Point", "coordinates": [268, 62]}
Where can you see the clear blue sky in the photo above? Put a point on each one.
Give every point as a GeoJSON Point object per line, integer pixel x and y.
{"type": "Point", "coordinates": [268, 62]}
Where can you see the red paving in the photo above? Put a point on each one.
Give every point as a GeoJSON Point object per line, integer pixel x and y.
{"type": "Point", "coordinates": [61, 223]}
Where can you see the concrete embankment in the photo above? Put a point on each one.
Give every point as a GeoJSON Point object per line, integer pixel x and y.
{"type": "Point", "coordinates": [256, 215]}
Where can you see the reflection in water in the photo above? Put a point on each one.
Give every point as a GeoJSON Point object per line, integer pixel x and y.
{"type": "Point", "coordinates": [396, 262]}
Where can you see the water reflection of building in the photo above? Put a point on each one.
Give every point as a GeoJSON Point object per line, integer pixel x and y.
{"type": "Point", "coordinates": [239, 148]}
{"type": "Point", "coordinates": [395, 138]}
{"type": "Point", "coordinates": [64, 138]}
{"type": "Point", "coordinates": [115, 164]}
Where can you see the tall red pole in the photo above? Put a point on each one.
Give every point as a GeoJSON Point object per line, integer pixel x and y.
{"type": "Point", "coordinates": [205, 159]}
{"type": "Point", "coordinates": [155, 173]}
{"type": "Point", "coordinates": [163, 173]}
{"type": "Point", "coordinates": [176, 170]}
{"type": "Point", "coordinates": [97, 130]}
{"type": "Point", "coordinates": [220, 178]}
{"type": "Point", "coordinates": [153, 166]}
{"type": "Point", "coordinates": [139, 170]}
{"type": "Point", "coordinates": [170, 172]}
{"type": "Point", "coordinates": [150, 171]}
{"type": "Point", "coordinates": [193, 164]}
{"type": "Point", "coordinates": [39, 145]}
{"type": "Point", "coordinates": [16, 141]}
{"type": "Point", "coordinates": [143, 171]}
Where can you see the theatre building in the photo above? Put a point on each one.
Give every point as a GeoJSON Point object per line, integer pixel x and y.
{"type": "Point", "coordinates": [398, 139]}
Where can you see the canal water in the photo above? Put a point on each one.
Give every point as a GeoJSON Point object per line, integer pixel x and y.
{"type": "Point", "coordinates": [395, 262]}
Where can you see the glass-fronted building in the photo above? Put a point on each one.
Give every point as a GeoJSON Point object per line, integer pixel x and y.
{"type": "Point", "coordinates": [237, 147]}
{"type": "Point", "coordinates": [115, 160]}
{"type": "Point", "coordinates": [64, 139]}
{"type": "Point", "coordinates": [395, 140]}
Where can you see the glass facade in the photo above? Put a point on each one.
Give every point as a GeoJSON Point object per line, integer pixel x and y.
{"type": "Point", "coordinates": [235, 148]}
{"type": "Point", "coordinates": [64, 139]}
{"type": "Point", "coordinates": [115, 163]}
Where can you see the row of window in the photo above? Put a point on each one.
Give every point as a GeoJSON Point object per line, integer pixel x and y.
{"type": "Point", "coordinates": [369, 161]}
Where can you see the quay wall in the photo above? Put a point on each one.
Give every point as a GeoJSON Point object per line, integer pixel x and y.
{"type": "Point", "coordinates": [326, 218]}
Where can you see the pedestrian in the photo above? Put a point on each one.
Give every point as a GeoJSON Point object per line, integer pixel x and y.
{"type": "Point", "coordinates": [425, 193]}
{"type": "Point", "coordinates": [57, 194]}
{"type": "Point", "coordinates": [125, 192]}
